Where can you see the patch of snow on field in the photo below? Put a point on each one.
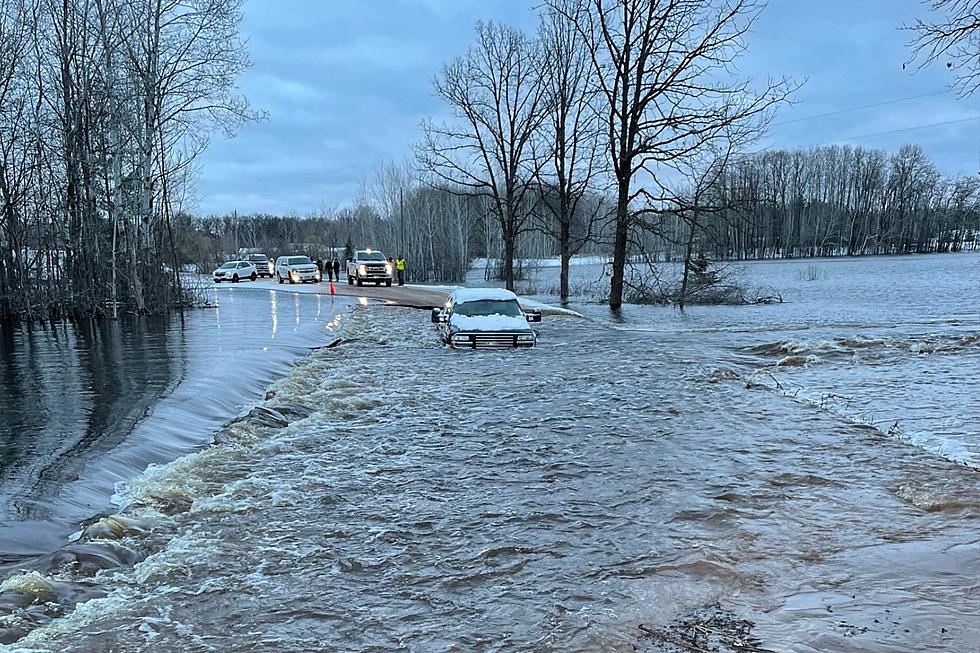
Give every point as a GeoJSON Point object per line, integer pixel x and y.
{"type": "Point", "coordinates": [552, 262]}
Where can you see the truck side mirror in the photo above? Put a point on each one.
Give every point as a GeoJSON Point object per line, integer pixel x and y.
{"type": "Point", "coordinates": [533, 315]}
{"type": "Point", "coordinates": [436, 315]}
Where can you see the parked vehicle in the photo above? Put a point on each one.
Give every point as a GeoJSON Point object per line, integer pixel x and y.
{"type": "Point", "coordinates": [295, 269]}
{"type": "Point", "coordinates": [235, 271]}
{"type": "Point", "coordinates": [262, 264]}
{"type": "Point", "coordinates": [476, 318]}
{"type": "Point", "coordinates": [369, 265]}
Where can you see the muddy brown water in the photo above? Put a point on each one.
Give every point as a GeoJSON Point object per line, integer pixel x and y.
{"type": "Point", "coordinates": [86, 407]}
{"type": "Point", "coordinates": [545, 500]}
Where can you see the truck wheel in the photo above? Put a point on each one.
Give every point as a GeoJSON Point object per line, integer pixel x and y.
{"type": "Point", "coordinates": [360, 282]}
{"type": "Point", "coordinates": [291, 279]}
{"type": "Point", "coordinates": [350, 280]}
{"type": "Point", "coordinates": [280, 278]}
{"type": "Point", "coordinates": [234, 279]}
{"type": "Point", "coordinates": [217, 280]}
{"type": "Point", "coordinates": [388, 283]}
{"type": "Point", "coordinates": [377, 283]}
{"type": "Point", "coordinates": [253, 277]}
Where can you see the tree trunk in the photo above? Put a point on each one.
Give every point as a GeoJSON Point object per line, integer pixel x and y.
{"type": "Point", "coordinates": [687, 262]}
{"type": "Point", "coordinates": [509, 260]}
{"type": "Point", "coordinates": [566, 257]}
{"type": "Point", "coordinates": [619, 247]}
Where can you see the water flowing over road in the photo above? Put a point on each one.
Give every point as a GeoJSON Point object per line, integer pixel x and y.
{"type": "Point", "coordinates": [391, 494]}
{"type": "Point", "coordinates": [87, 406]}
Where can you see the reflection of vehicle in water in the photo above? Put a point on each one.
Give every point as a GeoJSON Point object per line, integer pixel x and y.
{"type": "Point", "coordinates": [235, 271]}
{"type": "Point", "coordinates": [369, 265]}
{"type": "Point", "coordinates": [296, 269]}
{"type": "Point", "coordinates": [483, 318]}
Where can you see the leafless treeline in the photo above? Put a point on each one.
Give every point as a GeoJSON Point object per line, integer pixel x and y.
{"type": "Point", "coordinates": [104, 105]}
{"type": "Point", "coordinates": [839, 200]}
{"type": "Point", "coordinates": [439, 232]}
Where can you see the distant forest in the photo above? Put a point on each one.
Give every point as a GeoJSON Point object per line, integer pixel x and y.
{"type": "Point", "coordinates": [834, 201]}
{"type": "Point", "coordinates": [825, 201]}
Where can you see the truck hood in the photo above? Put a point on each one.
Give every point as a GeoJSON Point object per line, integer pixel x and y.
{"type": "Point", "coordinates": [488, 323]}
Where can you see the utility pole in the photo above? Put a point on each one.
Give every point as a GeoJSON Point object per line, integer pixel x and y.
{"type": "Point", "coordinates": [401, 222]}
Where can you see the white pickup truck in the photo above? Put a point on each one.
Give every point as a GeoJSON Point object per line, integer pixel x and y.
{"type": "Point", "coordinates": [369, 265]}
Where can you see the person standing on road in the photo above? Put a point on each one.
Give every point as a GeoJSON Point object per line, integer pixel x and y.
{"type": "Point", "coordinates": [400, 265]}
{"type": "Point", "coordinates": [336, 268]}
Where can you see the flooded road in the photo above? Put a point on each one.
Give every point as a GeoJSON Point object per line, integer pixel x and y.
{"type": "Point", "coordinates": [548, 500]}
{"type": "Point", "coordinates": [391, 494]}
{"type": "Point", "coordinates": [88, 406]}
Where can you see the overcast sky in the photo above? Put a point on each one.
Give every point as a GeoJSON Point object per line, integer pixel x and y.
{"type": "Point", "coordinates": [345, 85]}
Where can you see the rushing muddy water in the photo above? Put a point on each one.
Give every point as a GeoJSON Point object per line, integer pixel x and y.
{"type": "Point", "coordinates": [395, 495]}
{"type": "Point", "coordinates": [86, 406]}
{"type": "Point", "coordinates": [892, 343]}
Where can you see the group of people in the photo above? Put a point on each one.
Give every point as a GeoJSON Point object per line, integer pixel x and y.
{"type": "Point", "coordinates": [331, 269]}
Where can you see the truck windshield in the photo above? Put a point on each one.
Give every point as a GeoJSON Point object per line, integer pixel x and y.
{"type": "Point", "coordinates": [298, 260]}
{"type": "Point", "coordinates": [482, 307]}
{"type": "Point", "coordinates": [370, 256]}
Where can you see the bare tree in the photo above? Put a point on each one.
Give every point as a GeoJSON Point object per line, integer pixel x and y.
{"type": "Point", "coordinates": [700, 200]}
{"type": "Point", "coordinates": [111, 102]}
{"type": "Point", "coordinates": [953, 36]}
{"type": "Point", "coordinates": [572, 141]}
{"type": "Point", "coordinates": [496, 96]}
{"type": "Point", "coordinates": [660, 66]}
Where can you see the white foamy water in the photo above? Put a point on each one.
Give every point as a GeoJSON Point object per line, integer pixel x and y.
{"type": "Point", "coordinates": [89, 406]}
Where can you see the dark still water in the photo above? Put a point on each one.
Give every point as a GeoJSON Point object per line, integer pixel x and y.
{"type": "Point", "coordinates": [87, 406]}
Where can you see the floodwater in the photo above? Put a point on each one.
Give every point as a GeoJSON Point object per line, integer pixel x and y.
{"type": "Point", "coordinates": [88, 406]}
{"type": "Point", "coordinates": [402, 496]}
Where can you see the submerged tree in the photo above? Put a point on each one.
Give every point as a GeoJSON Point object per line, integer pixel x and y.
{"type": "Point", "coordinates": [107, 105]}
{"type": "Point", "coordinates": [664, 74]}
{"type": "Point", "coordinates": [496, 96]}
{"type": "Point", "coordinates": [567, 206]}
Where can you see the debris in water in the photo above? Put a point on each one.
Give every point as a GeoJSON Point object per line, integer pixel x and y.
{"type": "Point", "coordinates": [708, 629]}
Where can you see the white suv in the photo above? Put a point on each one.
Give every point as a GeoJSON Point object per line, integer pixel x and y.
{"type": "Point", "coordinates": [296, 268]}
{"type": "Point", "coordinates": [235, 271]}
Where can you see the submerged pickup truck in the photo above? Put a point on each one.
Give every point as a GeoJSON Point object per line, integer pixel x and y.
{"type": "Point", "coordinates": [481, 318]}
{"type": "Point", "coordinates": [369, 265]}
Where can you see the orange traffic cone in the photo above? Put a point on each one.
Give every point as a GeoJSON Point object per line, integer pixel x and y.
{"type": "Point", "coordinates": [332, 291]}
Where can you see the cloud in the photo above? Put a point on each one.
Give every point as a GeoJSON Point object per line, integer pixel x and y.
{"type": "Point", "coordinates": [345, 86]}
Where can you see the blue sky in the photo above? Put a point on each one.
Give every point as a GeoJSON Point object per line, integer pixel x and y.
{"type": "Point", "coordinates": [345, 85]}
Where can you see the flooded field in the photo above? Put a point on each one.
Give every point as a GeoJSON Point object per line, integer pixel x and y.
{"type": "Point", "coordinates": [391, 494]}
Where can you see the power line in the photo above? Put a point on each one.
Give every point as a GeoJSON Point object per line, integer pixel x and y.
{"type": "Point", "coordinates": [859, 108]}
{"type": "Point", "coordinates": [907, 129]}
{"type": "Point", "coordinates": [844, 141]}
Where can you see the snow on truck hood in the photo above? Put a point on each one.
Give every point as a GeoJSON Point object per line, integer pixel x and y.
{"type": "Point", "coordinates": [464, 295]}
{"type": "Point", "coordinates": [489, 323]}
